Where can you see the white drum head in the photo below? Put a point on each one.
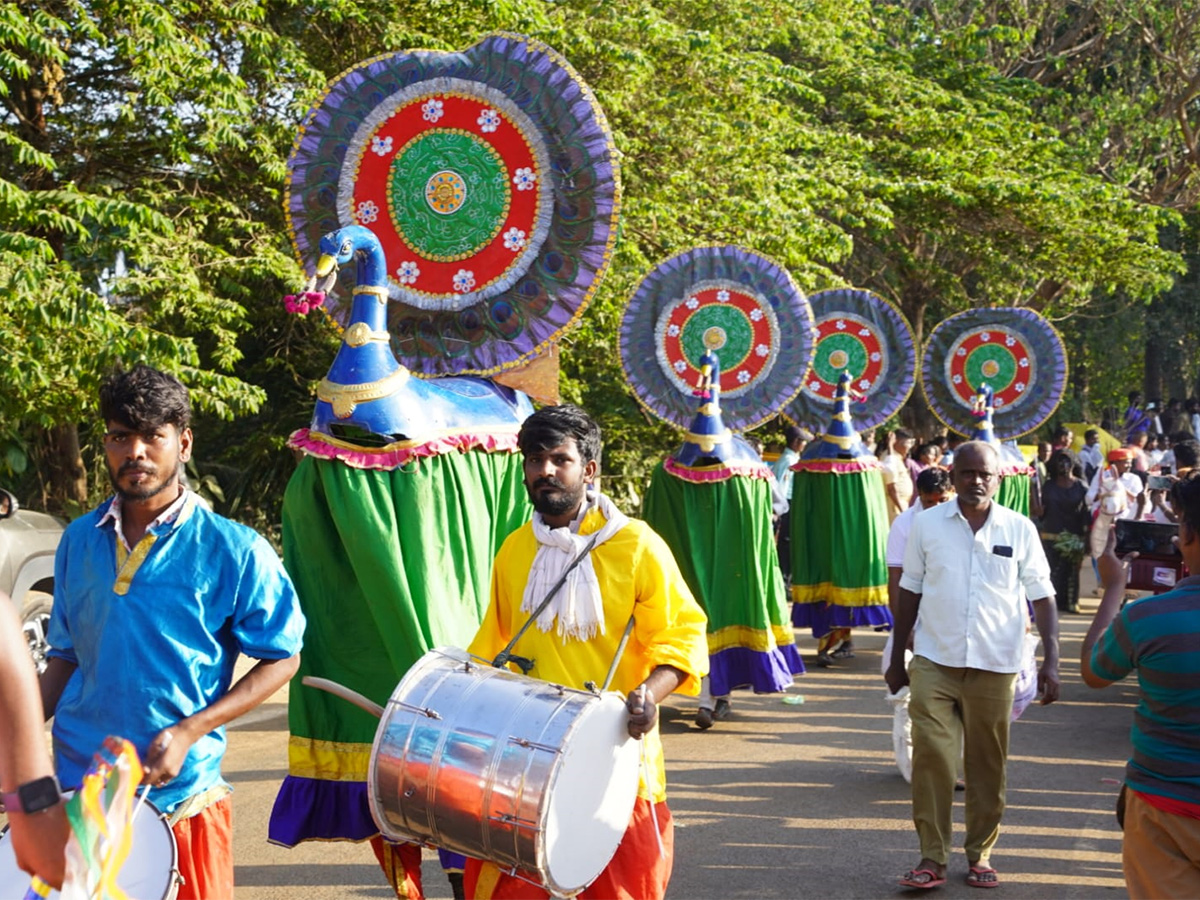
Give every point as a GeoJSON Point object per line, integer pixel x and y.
{"type": "Point", "coordinates": [591, 800]}
{"type": "Point", "coordinates": [148, 873]}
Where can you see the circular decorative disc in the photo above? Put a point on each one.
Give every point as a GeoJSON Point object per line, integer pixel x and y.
{"type": "Point", "coordinates": [738, 304]}
{"type": "Point", "coordinates": [489, 177]}
{"type": "Point", "coordinates": [1015, 351]}
{"type": "Point", "coordinates": [860, 332]}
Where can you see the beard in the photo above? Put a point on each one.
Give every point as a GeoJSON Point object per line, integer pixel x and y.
{"type": "Point", "coordinates": [567, 499]}
{"type": "Point", "coordinates": [149, 488]}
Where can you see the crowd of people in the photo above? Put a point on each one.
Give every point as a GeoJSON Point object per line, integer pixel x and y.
{"type": "Point", "coordinates": [969, 580]}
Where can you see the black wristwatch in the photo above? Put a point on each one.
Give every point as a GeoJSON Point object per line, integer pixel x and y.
{"type": "Point", "coordinates": [33, 796]}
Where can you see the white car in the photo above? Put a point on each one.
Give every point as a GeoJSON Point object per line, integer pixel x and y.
{"type": "Point", "coordinates": [27, 543]}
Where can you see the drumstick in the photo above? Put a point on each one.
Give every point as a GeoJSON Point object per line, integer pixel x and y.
{"type": "Point", "coordinates": [340, 690]}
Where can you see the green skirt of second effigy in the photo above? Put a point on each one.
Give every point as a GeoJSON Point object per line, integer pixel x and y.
{"type": "Point", "coordinates": [839, 530]}
{"type": "Point", "coordinates": [1014, 493]}
{"type": "Point", "coordinates": [721, 536]}
{"type": "Point", "coordinates": [388, 565]}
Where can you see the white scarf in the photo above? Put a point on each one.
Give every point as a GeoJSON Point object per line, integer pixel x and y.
{"type": "Point", "coordinates": [577, 605]}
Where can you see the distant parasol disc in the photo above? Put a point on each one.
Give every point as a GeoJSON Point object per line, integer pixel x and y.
{"type": "Point", "coordinates": [864, 334]}
{"type": "Point", "coordinates": [1014, 351]}
{"type": "Point", "coordinates": [490, 178]}
{"type": "Point", "coordinates": [735, 302]}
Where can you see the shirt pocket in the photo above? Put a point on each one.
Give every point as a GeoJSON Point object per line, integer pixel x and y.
{"type": "Point", "coordinates": [999, 571]}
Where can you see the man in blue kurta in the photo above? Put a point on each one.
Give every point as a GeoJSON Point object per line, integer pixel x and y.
{"type": "Point", "coordinates": [155, 596]}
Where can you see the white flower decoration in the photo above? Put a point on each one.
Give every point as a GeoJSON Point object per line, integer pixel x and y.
{"type": "Point", "coordinates": [464, 280]}
{"type": "Point", "coordinates": [756, 315]}
{"type": "Point", "coordinates": [1024, 364]}
{"type": "Point", "coordinates": [692, 303]}
{"type": "Point", "coordinates": [679, 365]}
{"type": "Point", "coordinates": [1020, 387]}
{"type": "Point", "coordinates": [1010, 341]}
{"type": "Point", "coordinates": [962, 351]}
{"type": "Point", "coordinates": [876, 356]}
{"type": "Point", "coordinates": [998, 403]}
{"type": "Point", "coordinates": [672, 331]}
{"type": "Point", "coordinates": [864, 384]}
{"type": "Point", "coordinates": [957, 379]}
{"type": "Point", "coordinates": [489, 120]}
{"type": "Point", "coordinates": [381, 146]}
{"type": "Point", "coordinates": [525, 179]}
{"type": "Point", "coordinates": [408, 272]}
{"type": "Point", "coordinates": [722, 296]}
{"type": "Point", "coordinates": [841, 325]}
{"type": "Point", "coordinates": [431, 110]}
{"type": "Point", "coordinates": [762, 350]}
{"type": "Point", "coordinates": [368, 212]}
{"type": "Point", "coordinates": [814, 385]}
{"type": "Point", "coordinates": [985, 336]}
{"type": "Point", "coordinates": [743, 376]}
{"type": "Point", "coordinates": [864, 332]}
{"type": "Point", "coordinates": [514, 239]}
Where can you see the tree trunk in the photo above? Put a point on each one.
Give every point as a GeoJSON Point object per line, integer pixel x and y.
{"type": "Point", "coordinates": [65, 468]}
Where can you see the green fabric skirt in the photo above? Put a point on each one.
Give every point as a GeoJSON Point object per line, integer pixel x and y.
{"type": "Point", "coordinates": [388, 565]}
{"type": "Point", "coordinates": [721, 535]}
{"type": "Point", "coordinates": [1014, 493]}
{"type": "Point", "coordinates": [839, 531]}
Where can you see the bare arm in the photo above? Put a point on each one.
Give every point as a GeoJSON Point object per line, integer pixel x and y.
{"type": "Point", "coordinates": [39, 839]}
{"type": "Point", "coordinates": [643, 700]}
{"type": "Point", "coordinates": [906, 617]}
{"type": "Point", "coordinates": [1112, 576]}
{"type": "Point", "coordinates": [54, 679]}
{"type": "Point", "coordinates": [168, 750]}
{"type": "Point", "coordinates": [1045, 615]}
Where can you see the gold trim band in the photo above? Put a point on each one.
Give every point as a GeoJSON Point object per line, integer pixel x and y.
{"type": "Point", "coordinates": [346, 397]}
{"type": "Point", "coordinates": [708, 441]}
{"type": "Point", "coordinates": [360, 333]}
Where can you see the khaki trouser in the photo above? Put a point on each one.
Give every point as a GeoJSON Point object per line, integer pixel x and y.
{"type": "Point", "coordinates": [952, 708]}
{"type": "Point", "coordinates": [1161, 852]}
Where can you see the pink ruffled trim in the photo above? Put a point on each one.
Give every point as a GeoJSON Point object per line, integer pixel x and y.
{"type": "Point", "coordinates": [1016, 470]}
{"type": "Point", "coordinates": [396, 455]}
{"type": "Point", "coordinates": [837, 466]}
{"type": "Point", "coordinates": [709, 474]}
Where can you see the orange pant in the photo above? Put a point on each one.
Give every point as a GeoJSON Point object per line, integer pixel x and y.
{"type": "Point", "coordinates": [637, 871]}
{"type": "Point", "coordinates": [205, 846]}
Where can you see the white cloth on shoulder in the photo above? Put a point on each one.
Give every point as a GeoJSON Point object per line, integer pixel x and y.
{"type": "Point", "coordinates": [577, 607]}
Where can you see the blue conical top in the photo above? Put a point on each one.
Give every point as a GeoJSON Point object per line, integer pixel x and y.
{"type": "Point", "coordinates": [982, 408]}
{"type": "Point", "coordinates": [840, 440]}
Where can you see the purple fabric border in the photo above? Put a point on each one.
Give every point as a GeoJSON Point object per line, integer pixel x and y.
{"type": "Point", "coordinates": [311, 809]}
{"type": "Point", "coordinates": [823, 618]}
{"type": "Point", "coordinates": [766, 672]}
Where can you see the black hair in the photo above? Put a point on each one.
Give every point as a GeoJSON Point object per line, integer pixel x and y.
{"type": "Point", "coordinates": [1187, 453]}
{"type": "Point", "coordinates": [1185, 498]}
{"type": "Point", "coordinates": [1091, 432]}
{"type": "Point", "coordinates": [144, 399]}
{"type": "Point", "coordinates": [903, 434]}
{"type": "Point", "coordinates": [791, 434]}
{"type": "Point", "coordinates": [1057, 458]}
{"type": "Point", "coordinates": [552, 425]}
{"type": "Point", "coordinates": [1061, 432]}
{"type": "Point", "coordinates": [934, 480]}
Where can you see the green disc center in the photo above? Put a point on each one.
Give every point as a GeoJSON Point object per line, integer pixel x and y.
{"type": "Point", "coordinates": [712, 324]}
{"type": "Point", "coordinates": [993, 365]}
{"type": "Point", "coordinates": [449, 194]}
{"type": "Point", "coordinates": [839, 352]}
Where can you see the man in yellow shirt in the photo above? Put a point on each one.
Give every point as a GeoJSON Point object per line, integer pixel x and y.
{"type": "Point", "coordinates": [627, 573]}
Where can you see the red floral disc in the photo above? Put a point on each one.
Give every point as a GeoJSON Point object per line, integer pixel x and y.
{"type": "Point", "coordinates": [455, 186]}
{"type": "Point", "coordinates": [846, 342]}
{"type": "Point", "coordinates": [740, 327]}
{"type": "Point", "coordinates": [996, 356]}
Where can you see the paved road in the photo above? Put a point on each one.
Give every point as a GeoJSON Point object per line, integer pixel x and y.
{"type": "Point", "coordinates": [786, 801]}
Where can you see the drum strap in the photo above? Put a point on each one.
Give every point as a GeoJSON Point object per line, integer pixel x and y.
{"type": "Point", "coordinates": [524, 663]}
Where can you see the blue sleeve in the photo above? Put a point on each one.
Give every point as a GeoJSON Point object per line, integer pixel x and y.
{"type": "Point", "coordinates": [1113, 656]}
{"type": "Point", "coordinates": [58, 633]}
{"type": "Point", "coordinates": [267, 620]}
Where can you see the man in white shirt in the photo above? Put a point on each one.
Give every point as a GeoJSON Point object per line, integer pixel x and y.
{"type": "Point", "coordinates": [964, 570]}
{"type": "Point", "coordinates": [1120, 459]}
{"type": "Point", "coordinates": [1090, 456]}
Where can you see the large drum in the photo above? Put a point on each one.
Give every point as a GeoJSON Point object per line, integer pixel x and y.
{"type": "Point", "coordinates": [150, 872]}
{"type": "Point", "coordinates": [520, 772]}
